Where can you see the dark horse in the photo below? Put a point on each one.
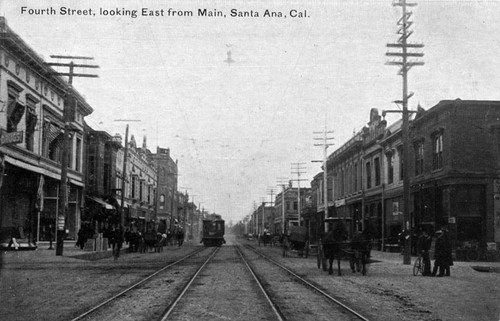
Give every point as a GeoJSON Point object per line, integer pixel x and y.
{"type": "Point", "coordinates": [360, 246]}
{"type": "Point", "coordinates": [332, 245]}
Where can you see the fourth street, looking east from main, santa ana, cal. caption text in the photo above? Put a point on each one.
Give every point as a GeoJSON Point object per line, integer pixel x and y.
{"type": "Point", "coordinates": [170, 12]}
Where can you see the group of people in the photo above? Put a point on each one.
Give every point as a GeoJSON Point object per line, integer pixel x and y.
{"type": "Point", "coordinates": [141, 241]}
{"type": "Point", "coordinates": [86, 232]}
{"type": "Point", "coordinates": [442, 253]}
{"type": "Point", "coordinates": [137, 240]}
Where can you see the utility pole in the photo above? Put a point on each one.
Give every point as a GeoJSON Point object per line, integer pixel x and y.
{"type": "Point", "coordinates": [124, 176]}
{"type": "Point", "coordinates": [327, 138]}
{"type": "Point", "coordinates": [124, 171]}
{"type": "Point", "coordinates": [405, 65]}
{"type": "Point", "coordinates": [270, 191]}
{"type": "Point", "coordinates": [184, 205]}
{"type": "Point", "coordinates": [254, 215]}
{"type": "Point", "coordinates": [174, 194]}
{"type": "Point", "coordinates": [298, 169]}
{"type": "Point", "coordinates": [283, 181]}
{"type": "Point", "coordinates": [263, 204]}
{"type": "Point", "coordinates": [192, 206]}
{"type": "Point", "coordinates": [69, 114]}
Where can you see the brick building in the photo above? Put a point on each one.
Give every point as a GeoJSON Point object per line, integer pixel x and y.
{"type": "Point", "coordinates": [167, 194]}
{"type": "Point", "coordinates": [454, 171]}
{"type": "Point", "coordinates": [100, 203]}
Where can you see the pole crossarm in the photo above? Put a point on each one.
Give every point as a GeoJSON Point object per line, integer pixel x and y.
{"type": "Point", "coordinates": [74, 65]}
{"type": "Point", "coordinates": [403, 3]}
{"type": "Point", "coordinates": [397, 111]}
{"type": "Point", "coordinates": [408, 63]}
{"type": "Point", "coordinates": [408, 45]}
{"type": "Point", "coordinates": [408, 54]}
{"type": "Point", "coordinates": [75, 75]}
{"type": "Point", "coordinates": [71, 57]}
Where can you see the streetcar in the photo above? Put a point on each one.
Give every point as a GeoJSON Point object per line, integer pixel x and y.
{"type": "Point", "coordinates": [213, 231]}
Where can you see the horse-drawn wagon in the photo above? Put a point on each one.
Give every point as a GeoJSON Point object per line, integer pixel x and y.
{"type": "Point", "coordinates": [299, 240]}
{"type": "Point", "coordinates": [335, 244]}
{"type": "Point", "coordinates": [265, 238]}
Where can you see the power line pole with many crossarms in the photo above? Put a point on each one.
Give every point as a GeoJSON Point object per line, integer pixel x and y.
{"type": "Point", "coordinates": [69, 112]}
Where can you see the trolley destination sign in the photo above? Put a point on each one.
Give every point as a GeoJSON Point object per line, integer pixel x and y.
{"type": "Point", "coordinates": [10, 137]}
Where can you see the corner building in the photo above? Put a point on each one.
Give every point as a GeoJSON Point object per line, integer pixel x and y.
{"type": "Point", "coordinates": [32, 101]}
{"type": "Point", "coordinates": [454, 171]}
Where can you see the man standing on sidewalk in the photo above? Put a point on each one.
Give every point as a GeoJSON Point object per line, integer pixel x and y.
{"type": "Point", "coordinates": [117, 237]}
{"type": "Point", "coordinates": [443, 254]}
{"type": "Point", "coordinates": [424, 245]}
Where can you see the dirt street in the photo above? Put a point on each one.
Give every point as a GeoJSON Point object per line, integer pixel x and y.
{"type": "Point", "coordinates": [37, 283]}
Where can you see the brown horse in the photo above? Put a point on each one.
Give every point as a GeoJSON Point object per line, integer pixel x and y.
{"type": "Point", "coordinates": [332, 246]}
{"type": "Point", "coordinates": [360, 246]}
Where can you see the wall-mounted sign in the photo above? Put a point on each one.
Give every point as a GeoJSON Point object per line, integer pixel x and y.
{"type": "Point", "coordinates": [395, 208]}
{"type": "Point", "coordinates": [10, 138]}
{"type": "Point", "coordinates": [339, 203]}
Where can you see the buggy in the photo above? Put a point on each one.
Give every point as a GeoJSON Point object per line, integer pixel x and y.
{"type": "Point", "coordinates": [299, 240]}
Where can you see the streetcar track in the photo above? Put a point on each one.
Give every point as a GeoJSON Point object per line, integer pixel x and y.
{"type": "Point", "coordinates": [273, 305]}
{"type": "Point", "coordinates": [310, 285]}
{"type": "Point", "coordinates": [172, 306]}
{"type": "Point", "coordinates": [135, 285]}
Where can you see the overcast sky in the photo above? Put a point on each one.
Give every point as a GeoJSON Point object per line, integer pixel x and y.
{"type": "Point", "coordinates": [235, 128]}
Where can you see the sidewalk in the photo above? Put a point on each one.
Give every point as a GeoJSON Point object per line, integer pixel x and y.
{"type": "Point", "coordinates": [44, 254]}
{"type": "Point", "coordinates": [70, 253]}
{"type": "Point", "coordinates": [397, 258]}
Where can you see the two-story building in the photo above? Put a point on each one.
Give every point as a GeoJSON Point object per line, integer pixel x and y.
{"type": "Point", "coordinates": [453, 168]}
{"type": "Point", "coordinates": [32, 101]}
{"type": "Point", "coordinates": [140, 185]}
{"type": "Point", "coordinates": [100, 203]}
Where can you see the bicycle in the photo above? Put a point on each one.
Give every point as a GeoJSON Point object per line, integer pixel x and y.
{"type": "Point", "coordinates": [418, 266]}
{"type": "Point", "coordinates": [482, 254]}
{"type": "Point", "coordinates": [472, 252]}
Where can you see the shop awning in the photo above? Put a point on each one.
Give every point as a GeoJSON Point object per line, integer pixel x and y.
{"type": "Point", "coordinates": [39, 169]}
{"type": "Point", "coordinates": [103, 203]}
{"type": "Point", "coordinates": [119, 201]}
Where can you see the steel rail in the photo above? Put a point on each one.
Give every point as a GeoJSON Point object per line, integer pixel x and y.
{"type": "Point", "coordinates": [191, 280]}
{"type": "Point", "coordinates": [259, 282]}
{"type": "Point", "coordinates": [83, 315]}
{"type": "Point", "coordinates": [304, 281]}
